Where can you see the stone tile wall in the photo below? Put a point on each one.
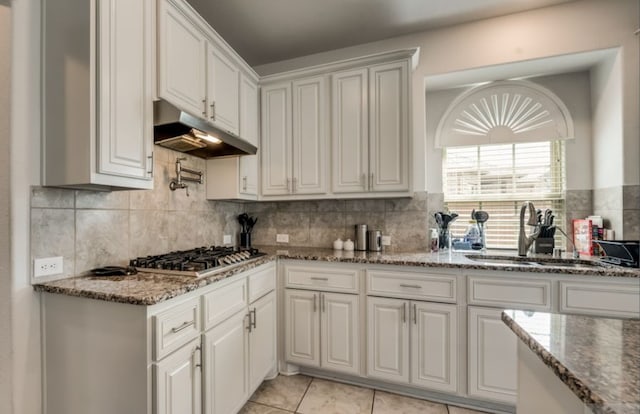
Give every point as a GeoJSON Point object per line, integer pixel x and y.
{"type": "Point", "coordinates": [319, 223]}
{"type": "Point", "coordinates": [620, 206]}
{"type": "Point", "coordinates": [91, 229]}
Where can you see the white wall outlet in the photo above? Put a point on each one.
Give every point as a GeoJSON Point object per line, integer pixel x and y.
{"type": "Point", "coordinates": [48, 266]}
{"type": "Point", "coordinates": [386, 240]}
{"type": "Point", "coordinates": [282, 238]}
{"type": "Point", "coordinates": [226, 239]}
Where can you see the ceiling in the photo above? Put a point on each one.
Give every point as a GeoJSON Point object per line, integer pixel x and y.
{"type": "Point", "coordinates": [265, 31]}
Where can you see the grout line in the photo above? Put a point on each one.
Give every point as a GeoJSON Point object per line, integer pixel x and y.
{"type": "Point", "coordinates": [447, 405]}
{"type": "Point", "coordinates": [373, 403]}
{"type": "Point", "coordinates": [269, 406]}
{"type": "Point", "coordinates": [304, 395]}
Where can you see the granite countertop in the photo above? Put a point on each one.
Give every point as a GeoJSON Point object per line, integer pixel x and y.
{"type": "Point", "coordinates": [454, 260]}
{"type": "Point", "coordinates": [151, 288]}
{"type": "Point", "coordinates": [597, 358]}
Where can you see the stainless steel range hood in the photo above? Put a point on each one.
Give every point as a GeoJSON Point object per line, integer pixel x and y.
{"type": "Point", "coordinates": [183, 132]}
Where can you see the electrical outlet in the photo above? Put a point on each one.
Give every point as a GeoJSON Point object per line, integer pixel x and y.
{"type": "Point", "coordinates": [48, 266]}
{"type": "Point", "coordinates": [226, 239]}
{"type": "Point", "coordinates": [386, 240]}
{"type": "Point", "coordinates": [282, 238]}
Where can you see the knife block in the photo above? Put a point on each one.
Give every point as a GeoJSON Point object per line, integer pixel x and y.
{"type": "Point", "coordinates": [544, 245]}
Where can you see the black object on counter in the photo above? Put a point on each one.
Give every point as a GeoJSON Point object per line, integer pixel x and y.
{"type": "Point", "coordinates": [114, 271]}
{"type": "Point", "coordinates": [620, 252]}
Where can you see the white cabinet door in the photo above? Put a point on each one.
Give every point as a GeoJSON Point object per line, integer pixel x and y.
{"type": "Point", "coordinates": [493, 357]}
{"type": "Point", "coordinates": [275, 148]}
{"type": "Point", "coordinates": [125, 112]}
{"type": "Point", "coordinates": [223, 91]}
{"type": "Point", "coordinates": [249, 131]}
{"type": "Point", "coordinates": [389, 127]}
{"type": "Point", "coordinates": [226, 356]}
{"type": "Point", "coordinates": [350, 131]}
{"type": "Point", "coordinates": [182, 57]}
{"type": "Point", "coordinates": [310, 140]}
{"type": "Point", "coordinates": [434, 346]}
{"type": "Point", "coordinates": [388, 339]}
{"type": "Point", "coordinates": [178, 381]}
{"type": "Point", "coordinates": [302, 329]}
{"type": "Point", "coordinates": [262, 339]}
{"type": "Point", "coordinates": [340, 332]}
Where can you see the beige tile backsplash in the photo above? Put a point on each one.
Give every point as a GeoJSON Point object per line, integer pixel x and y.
{"type": "Point", "coordinates": [91, 229]}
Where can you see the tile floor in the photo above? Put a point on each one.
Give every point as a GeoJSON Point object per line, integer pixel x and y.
{"type": "Point", "coordinates": [306, 395]}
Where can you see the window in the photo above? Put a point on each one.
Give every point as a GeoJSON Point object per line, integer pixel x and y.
{"type": "Point", "coordinates": [498, 179]}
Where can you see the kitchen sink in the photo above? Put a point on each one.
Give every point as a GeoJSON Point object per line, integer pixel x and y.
{"type": "Point", "coordinates": [531, 262]}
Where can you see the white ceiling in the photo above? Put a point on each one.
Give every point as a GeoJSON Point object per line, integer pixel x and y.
{"type": "Point", "coordinates": [264, 31]}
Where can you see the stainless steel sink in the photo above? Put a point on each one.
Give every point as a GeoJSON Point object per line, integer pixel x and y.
{"type": "Point", "coordinates": [531, 262]}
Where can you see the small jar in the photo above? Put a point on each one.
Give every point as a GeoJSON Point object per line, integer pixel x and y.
{"type": "Point", "coordinates": [338, 244]}
{"type": "Point", "coordinates": [348, 245]}
{"type": "Point", "coordinates": [435, 240]}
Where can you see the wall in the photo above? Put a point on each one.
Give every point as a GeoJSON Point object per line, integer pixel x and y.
{"type": "Point", "coordinates": [5, 247]}
{"type": "Point", "coordinates": [91, 229]}
{"type": "Point", "coordinates": [520, 37]}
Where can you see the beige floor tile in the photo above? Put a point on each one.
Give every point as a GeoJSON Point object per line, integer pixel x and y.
{"type": "Point", "coordinates": [283, 392]}
{"type": "Point", "coordinates": [386, 403]}
{"type": "Point", "coordinates": [329, 397]}
{"type": "Point", "coordinates": [460, 410]}
{"type": "Point", "coordinates": [254, 408]}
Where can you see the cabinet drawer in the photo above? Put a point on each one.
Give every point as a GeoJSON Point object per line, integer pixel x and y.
{"type": "Point", "coordinates": [175, 327]}
{"type": "Point", "coordinates": [262, 282]}
{"type": "Point", "coordinates": [525, 294]}
{"type": "Point", "coordinates": [434, 287]}
{"type": "Point", "coordinates": [604, 299]}
{"type": "Point", "coordinates": [329, 279]}
{"type": "Point", "coordinates": [224, 302]}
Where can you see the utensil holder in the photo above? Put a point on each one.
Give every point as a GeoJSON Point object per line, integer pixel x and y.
{"type": "Point", "coordinates": [245, 240]}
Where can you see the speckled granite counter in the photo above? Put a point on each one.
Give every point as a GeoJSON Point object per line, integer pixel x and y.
{"type": "Point", "coordinates": [597, 358]}
{"type": "Point", "coordinates": [143, 288]}
{"type": "Point", "coordinates": [446, 259]}
{"type": "Point", "coordinates": [152, 288]}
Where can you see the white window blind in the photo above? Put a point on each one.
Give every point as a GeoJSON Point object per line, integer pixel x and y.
{"type": "Point", "coordinates": [498, 179]}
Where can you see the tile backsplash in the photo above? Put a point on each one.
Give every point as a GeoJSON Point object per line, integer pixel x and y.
{"type": "Point", "coordinates": [91, 229]}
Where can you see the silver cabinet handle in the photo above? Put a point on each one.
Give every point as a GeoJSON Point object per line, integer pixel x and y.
{"type": "Point", "coordinates": [314, 302]}
{"type": "Point", "coordinates": [404, 313]}
{"type": "Point", "coordinates": [288, 185]}
{"type": "Point", "coordinates": [244, 183]}
{"type": "Point", "coordinates": [295, 184]}
{"type": "Point", "coordinates": [213, 110]}
{"type": "Point", "coordinates": [193, 354]}
{"type": "Point", "coordinates": [324, 301]}
{"type": "Point", "coordinates": [255, 318]}
{"type": "Point", "coordinates": [248, 328]}
{"type": "Point", "coordinates": [410, 286]}
{"type": "Point", "coordinates": [185, 325]}
{"type": "Point", "coordinates": [150, 158]}
{"type": "Point", "coordinates": [415, 314]}
{"type": "Point", "coordinates": [319, 278]}
{"type": "Point", "coordinates": [371, 182]}
{"type": "Point", "coordinates": [204, 112]}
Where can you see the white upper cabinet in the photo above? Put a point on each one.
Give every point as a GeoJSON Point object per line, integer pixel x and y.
{"type": "Point", "coordinates": [351, 134]}
{"type": "Point", "coordinates": [97, 111]}
{"type": "Point", "coordinates": [350, 131]}
{"type": "Point", "coordinates": [309, 136]}
{"type": "Point", "coordinates": [389, 127]}
{"type": "Point", "coordinates": [181, 53]}
{"type": "Point", "coordinates": [223, 91]}
{"type": "Point", "coordinates": [275, 149]}
{"type": "Point", "coordinates": [249, 130]}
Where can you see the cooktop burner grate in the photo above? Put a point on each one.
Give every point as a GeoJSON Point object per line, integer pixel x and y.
{"type": "Point", "coordinates": [198, 262]}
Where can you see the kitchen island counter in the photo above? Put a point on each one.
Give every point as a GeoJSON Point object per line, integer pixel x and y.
{"type": "Point", "coordinates": [598, 359]}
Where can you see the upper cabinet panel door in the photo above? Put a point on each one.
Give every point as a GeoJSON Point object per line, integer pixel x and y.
{"type": "Point", "coordinates": [125, 112]}
{"type": "Point", "coordinates": [223, 91]}
{"type": "Point", "coordinates": [182, 57]}
{"type": "Point", "coordinates": [389, 127]}
{"type": "Point", "coordinates": [275, 149]}
{"type": "Point", "coordinates": [350, 135]}
{"type": "Point", "coordinates": [310, 136]}
{"type": "Point", "coordinates": [249, 113]}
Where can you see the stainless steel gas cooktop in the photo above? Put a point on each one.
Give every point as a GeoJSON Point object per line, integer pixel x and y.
{"type": "Point", "coordinates": [198, 262]}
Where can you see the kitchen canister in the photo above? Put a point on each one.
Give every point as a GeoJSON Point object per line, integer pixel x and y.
{"type": "Point", "coordinates": [348, 246]}
{"type": "Point", "coordinates": [361, 237]}
{"type": "Point", "coordinates": [374, 240]}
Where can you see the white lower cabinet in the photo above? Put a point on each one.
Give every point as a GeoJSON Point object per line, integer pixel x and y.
{"type": "Point", "coordinates": [412, 342]}
{"type": "Point", "coordinates": [178, 381]}
{"type": "Point", "coordinates": [493, 357]}
{"type": "Point", "coordinates": [322, 330]}
{"type": "Point", "coordinates": [226, 358]}
{"type": "Point", "coordinates": [262, 339]}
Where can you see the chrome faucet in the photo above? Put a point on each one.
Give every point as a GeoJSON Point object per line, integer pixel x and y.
{"type": "Point", "coordinates": [524, 241]}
